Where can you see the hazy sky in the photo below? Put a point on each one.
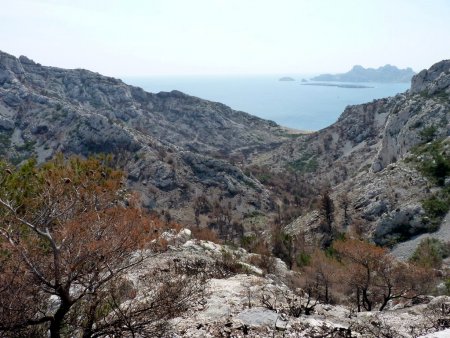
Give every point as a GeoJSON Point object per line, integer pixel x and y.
{"type": "Point", "coordinates": [151, 37]}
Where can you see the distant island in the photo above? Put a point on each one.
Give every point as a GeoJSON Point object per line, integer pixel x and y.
{"type": "Point", "coordinates": [335, 85]}
{"type": "Point", "coordinates": [286, 78]}
{"type": "Point", "coordinates": [386, 73]}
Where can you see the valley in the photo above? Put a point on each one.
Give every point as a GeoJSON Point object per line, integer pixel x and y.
{"type": "Point", "coordinates": [251, 202]}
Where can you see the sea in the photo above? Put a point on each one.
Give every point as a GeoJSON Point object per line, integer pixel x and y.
{"type": "Point", "coordinates": [289, 103]}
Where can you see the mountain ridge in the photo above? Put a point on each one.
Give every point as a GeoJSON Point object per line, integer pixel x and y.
{"type": "Point", "coordinates": [170, 144]}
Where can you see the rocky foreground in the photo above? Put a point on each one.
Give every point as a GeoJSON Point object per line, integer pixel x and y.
{"type": "Point", "coordinates": [252, 303]}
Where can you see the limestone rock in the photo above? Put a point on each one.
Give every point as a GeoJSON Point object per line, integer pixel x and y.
{"type": "Point", "coordinates": [432, 80]}
{"type": "Point", "coordinates": [177, 144]}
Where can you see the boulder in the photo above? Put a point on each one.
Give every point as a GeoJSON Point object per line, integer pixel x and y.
{"type": "Point", "coordinates": [432, 80]}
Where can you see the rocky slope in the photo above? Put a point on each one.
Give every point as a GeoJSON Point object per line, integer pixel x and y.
{"type": "Point", "coordinates": [253, 303]}
{"type": "Point", "coordinates": [174, 118]}
{"type": "Point", "coordinates": [169, 143]}
{"type": "Point", "coordinates": [176, 148]}
{"type": "Point", "coordinates": [369, 159]}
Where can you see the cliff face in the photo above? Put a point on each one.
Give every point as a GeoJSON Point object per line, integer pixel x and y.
{"type": "Point", "coordinates": [168, 143]}
{"type": "Point", "coordinates": [367, 158]}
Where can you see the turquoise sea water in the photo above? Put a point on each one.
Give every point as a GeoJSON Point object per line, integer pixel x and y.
{"type": "Point", "coordinates": [289, 103]}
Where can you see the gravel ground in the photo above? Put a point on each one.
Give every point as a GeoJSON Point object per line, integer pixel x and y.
{"type": "Point", "coordinates": [404, 250]}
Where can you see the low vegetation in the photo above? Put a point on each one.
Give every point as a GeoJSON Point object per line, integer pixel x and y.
{"type": "Point", "coordinates": [433, 160]}
{"type": "Point", "coordinates": [307, 163]}
{"type": "Point", "coordinates": [430, 253]}
{"type": "Point", "coordinates": [436, 207]}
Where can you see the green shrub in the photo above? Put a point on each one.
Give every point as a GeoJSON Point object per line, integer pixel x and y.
{"type": "Point", "coordinates": [430, 253]}
{"type": "Point", "coordinates": [5, 141]}
{"type": "Point", "coordinates": [229, 263]}
{"type": "Point", "coordinates": [436, 163]}
{"type": "Point", "coordinates": [303, 259]}
{"type": "Point", "coordinates": [27, 146]}
{"type": "Point", "coordinates": [427, 134]}
{"type": "Point", "coordinates": [252, 214]}
{"type": "Point", "coordinates": [248, 241]}
{"type": "Point", "coordinates": [282, 247]}
{"type": "Point", "coordinates": [447, 286]}
{"type": "Point", "coordinates": [435, 207]}
{"type": "Point", "coordinates": [438, 169]}
{"type": "Point", "coordinates": [435, 211]}
{"type": "Point", "coordinates": [264, 178]}
{"type": "Point", "coordinates": [307, 163]}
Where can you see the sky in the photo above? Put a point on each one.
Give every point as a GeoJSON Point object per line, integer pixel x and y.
{"type": "Point", "coordinates": [228, 37]}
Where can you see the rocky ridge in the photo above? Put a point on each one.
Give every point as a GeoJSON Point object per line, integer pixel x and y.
{"type": "Point", "coordinates": [166, 116]}
{"type": "Point", "coordinates": [170, 144]}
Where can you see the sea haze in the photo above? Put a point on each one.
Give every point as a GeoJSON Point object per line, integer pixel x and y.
{"type": "Point", "coordinates": [289, 103]}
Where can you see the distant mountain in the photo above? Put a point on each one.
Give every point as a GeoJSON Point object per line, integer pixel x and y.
{"type": "Point", "coordinates": [386, 73]}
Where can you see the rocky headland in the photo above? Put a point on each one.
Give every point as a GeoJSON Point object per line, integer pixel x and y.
{"type": "Point", "coordinates": [340, 85]}
{"type": "Point", "coordinates": [358, 73]}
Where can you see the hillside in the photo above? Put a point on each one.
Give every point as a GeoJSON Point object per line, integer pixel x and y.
{"type": "Point", "coordinates": [358, 73]}
{"type": "Point", "coordinates": [375, 161]}
{"type": "Point", "coordinates": [171, 145]}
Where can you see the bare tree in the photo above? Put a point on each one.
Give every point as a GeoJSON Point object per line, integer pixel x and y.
{"type": "Point", "coordinates": [320, 276]}
{"type": "Point", "coordinates": [70, 234]}
{"type": "Point", "coordinates": [374, 277]}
